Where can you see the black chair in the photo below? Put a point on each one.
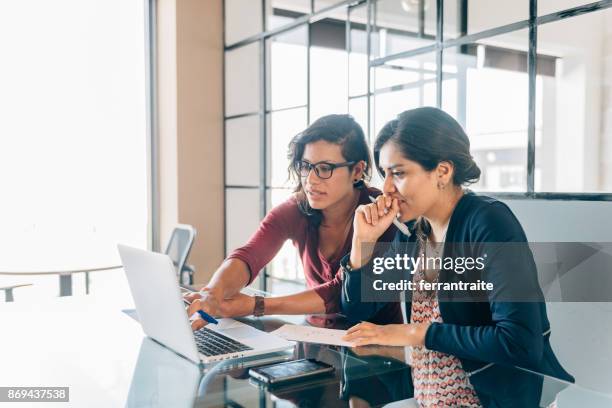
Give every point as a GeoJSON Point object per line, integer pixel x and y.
{"type": "Point", "coordinates": [178, 249]}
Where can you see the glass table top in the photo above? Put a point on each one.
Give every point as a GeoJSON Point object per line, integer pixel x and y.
{"type": "Point", "coordinates": [94, 346]}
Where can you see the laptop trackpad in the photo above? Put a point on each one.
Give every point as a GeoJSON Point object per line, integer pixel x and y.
{"type": "Point", "coordinates": [243, 332]}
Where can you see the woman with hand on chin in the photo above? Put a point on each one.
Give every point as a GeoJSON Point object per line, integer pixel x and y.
{"type": "Point", "coordinates": [330, 162]}
{"type": "Point", "coordinates": [462, 351]}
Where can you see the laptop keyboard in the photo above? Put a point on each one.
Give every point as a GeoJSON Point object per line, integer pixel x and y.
{"type": "Point", "coordinates": [211, 343]}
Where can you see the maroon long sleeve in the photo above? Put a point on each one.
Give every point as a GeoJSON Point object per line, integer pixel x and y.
{"type": "Point", "coordinates": [284, 222]}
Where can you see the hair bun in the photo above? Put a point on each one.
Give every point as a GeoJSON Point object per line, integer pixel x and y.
{"type": "Point", "coordinates": [470, 174]}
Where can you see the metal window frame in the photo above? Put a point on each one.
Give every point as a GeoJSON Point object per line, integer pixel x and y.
{"type": "Point", "coordinates": [150, 39]}
{"type": "Point", "coordinates": [438, 47]}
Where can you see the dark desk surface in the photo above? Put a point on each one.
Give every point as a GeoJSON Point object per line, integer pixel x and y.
{"type": "Point", "coordinates": [90, 345]}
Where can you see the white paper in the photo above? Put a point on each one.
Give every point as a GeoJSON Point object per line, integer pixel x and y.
{"type": "Point", "coordinates": [310, 334]}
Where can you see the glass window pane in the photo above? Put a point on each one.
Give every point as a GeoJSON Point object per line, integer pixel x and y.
{"type": "Point", "coordinates": [358, 108]}
{"type": "Point", "coordinates": [242, 80]}
{"type": "Point", "coordinates": [388, 105]}
{"type": "Point", "coordinates": [287, 263]}
{"type": "Point", "coordinates": [73, 138]}
{"type": "Point", "coordinates": [283, 287]}
{"type": "Point", "coordinates": [328, 65]}
{"type": "Point", "coordinates": [241, 216]}
{"type": "Point", "coordinates": [405, 72]}
{"type": "Point", "coordinates": [328, 83]}
{"type": "Point", "coordinates": [283, 126]}
{"type": "Point", "coordinates": [243, 19]}
{"type": "Point", "coordinates": [573, 105]}
{"type": "Point", "coordinates": [283, 12]}
{"type": "Point", "coordinates": [482, 15]}
{"type": "Point", "coordinates": [401, 25]}
{"type": "Point", "coordinates": [406, 83]}
{"type": "Point", "coordinates": [328, 69]}
{"type": "Point", "coordinates": [288, 63]}
{"type": "Point", "coordinates": [242, 152]}
{"type": "Point", "coordinates": [358, 52]}
{"type": "Point", "coordinates": [485, 87]}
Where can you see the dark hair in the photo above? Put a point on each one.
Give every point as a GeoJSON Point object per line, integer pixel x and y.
{"type": "Point", "coordinates": [342, 130]}
{"type": "Point", "coordinates": [429, 136]}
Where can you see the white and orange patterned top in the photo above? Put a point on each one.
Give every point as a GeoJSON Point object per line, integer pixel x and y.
{"type": "Point", "coordinates": [439, 379]}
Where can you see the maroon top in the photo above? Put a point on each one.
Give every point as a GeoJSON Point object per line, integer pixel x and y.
{"type": "Point", "coordinates": [286, 221]}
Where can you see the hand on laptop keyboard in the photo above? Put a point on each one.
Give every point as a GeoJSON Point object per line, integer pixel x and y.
{"type": "Point", "coordinates": [204, 300]}
{"type": "Point", "coordinates": [238, 305]}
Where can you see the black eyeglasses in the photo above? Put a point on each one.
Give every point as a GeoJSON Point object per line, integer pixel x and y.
{"type": "Point", "coordinates": [323, 170]}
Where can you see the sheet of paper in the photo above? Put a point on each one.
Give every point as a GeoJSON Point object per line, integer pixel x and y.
{"type": "Point", "coordinates": [310, 334]}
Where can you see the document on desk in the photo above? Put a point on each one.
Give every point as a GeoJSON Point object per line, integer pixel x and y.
{"type": "Point", "coordinates": [311, 334]}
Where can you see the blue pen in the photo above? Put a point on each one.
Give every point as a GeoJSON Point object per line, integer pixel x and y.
{"type": "Point", "coordinates": [207, 317]}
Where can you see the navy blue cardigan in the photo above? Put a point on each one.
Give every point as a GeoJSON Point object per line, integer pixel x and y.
{"type": "Point", "coordinates": [482, 331]}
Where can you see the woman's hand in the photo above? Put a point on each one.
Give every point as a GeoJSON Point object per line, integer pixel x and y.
{"type": "Point", "coordinates": [372, 220]}
{"type": "Point", "coordinates": [369, 223]}
{"type": "Point", "coordinates": [366, 333]}
{"type": "Point", "coordinates": [207, 299]}
{"type": "Point", "coordinates": [236, 306]}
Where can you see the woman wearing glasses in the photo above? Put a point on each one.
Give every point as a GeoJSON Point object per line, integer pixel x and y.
{"type": "Point", "coordinates": [463, 343]}
{"type": "Point", "coordinates": [329, 162]}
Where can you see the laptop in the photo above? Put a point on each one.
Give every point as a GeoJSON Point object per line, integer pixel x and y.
{"type": "Point", "coordinates": [161, 312]}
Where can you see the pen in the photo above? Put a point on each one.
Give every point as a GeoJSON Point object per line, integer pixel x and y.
{"type": "Point", "coordinates": [207, 317]}
{"type": "Point", "coordinates": [402, 227]}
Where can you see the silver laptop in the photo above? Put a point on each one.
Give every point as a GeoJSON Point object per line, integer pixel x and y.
{"type": "Point", "coordinates": [161, 312]}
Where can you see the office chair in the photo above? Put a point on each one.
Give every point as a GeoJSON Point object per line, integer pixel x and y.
{"type": "Point", "coordinates": [8, 291]}
{"type": "Point", "coordinates": [178, 249]}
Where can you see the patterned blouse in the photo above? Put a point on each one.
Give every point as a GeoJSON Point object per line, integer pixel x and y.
{"type": "Point", "coordinates": [439, 379]}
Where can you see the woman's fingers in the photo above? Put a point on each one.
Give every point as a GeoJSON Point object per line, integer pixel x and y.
{"type": "Point", "coordinates": [381, 204]}
{"type": "Point", "coordinates": [370, 213]}
{"type": "Point", "coordinates": [391, 212]}
{"type": "Point", "coordinates": [395, 208]}
{"type": "Point", "coordinates": [388, 201]}
{"type": "Point", "coordinates": [363, 337]}
{"type": "Point", "coordinates": [373, 213]}
{"type": "Point", "coordinates": [193, 307]}
{"type": "Point", "coordinates": [357, 335]}
{"type": "Point", "coordinates": [197, 324]}
{"type": "Point", "coordinates": [359, 326]}
{"type": "Point", "coordinates": [362, 211]}
{"type": "Point", "coordinates": [380, 212]}
{"type": "Point", "coordinates": [192, 312]}
{"type": "Point", "coordinates": [191, 296]}
{"type": "Point", "coordinates": [365, 341]}
{"type": "Point", "coordinates": [198, 304]}
{"type": "Point", "coordinates": [361, 330]}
